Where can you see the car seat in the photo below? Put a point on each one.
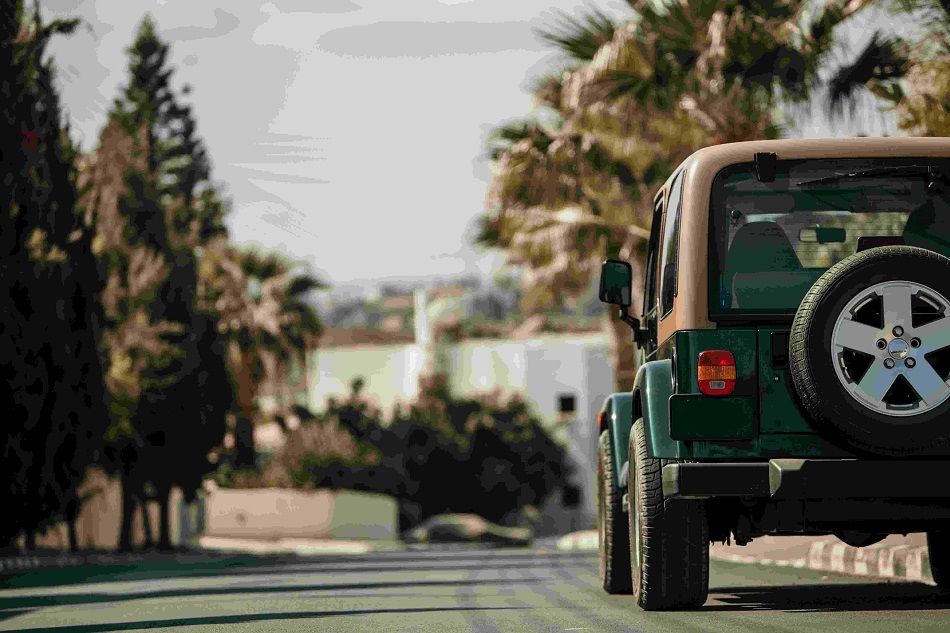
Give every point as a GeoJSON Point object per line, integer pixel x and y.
{"type": "Point", "coordinates": [757, 249]}
{"type": "Point", "coordinates": [922, 230]}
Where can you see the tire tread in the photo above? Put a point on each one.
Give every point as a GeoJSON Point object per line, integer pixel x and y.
{"type": "Point", "coordinates": [675, 553]}
{"type": "Point", "coordinates": [615, 550]}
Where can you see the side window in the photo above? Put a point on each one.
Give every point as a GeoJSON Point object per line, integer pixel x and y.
{"type": "Point", "coordinates": [670, 247]}
{"type": "Point", "coordinates": [649, 288]}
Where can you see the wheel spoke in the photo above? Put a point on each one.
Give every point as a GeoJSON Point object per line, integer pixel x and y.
{"type": "Point", "coordinates": [933, 336]}
{"type": "Point", "coordinates": [897, 308]}
{"type": "Point", "coordinates": [876, 381]}
{"type": "Point", "coordinates": [927, 383]}
{"type": "Point", "coordinates": [858, 337]}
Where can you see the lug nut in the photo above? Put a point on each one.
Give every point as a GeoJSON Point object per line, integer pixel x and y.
{"type": "Point", "coordinates": [898, 331]}
{"type": "Point", "coordinates": [889, 363]}
{"type": "Point", "coordinates": [881, 343]}
{"type": "Point", "coordinates": [915, 342]}
{"type": "Point", "coordinates": [910, 362]}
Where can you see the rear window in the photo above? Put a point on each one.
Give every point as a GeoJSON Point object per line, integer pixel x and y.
{"type": "Point", "coordinates": [770, 241]}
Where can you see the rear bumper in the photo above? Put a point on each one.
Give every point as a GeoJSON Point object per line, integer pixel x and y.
{"type": "Point", "coordinates": [801, 479]}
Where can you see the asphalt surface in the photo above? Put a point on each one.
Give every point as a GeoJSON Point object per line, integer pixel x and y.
{"type": "Point", "coordinates": [448, 589]}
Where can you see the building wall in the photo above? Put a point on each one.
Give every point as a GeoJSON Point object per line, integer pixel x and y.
{"type": "Point", "coordinates": [390, 372]}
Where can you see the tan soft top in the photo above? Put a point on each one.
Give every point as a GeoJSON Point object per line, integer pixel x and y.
{"type": "Point", "coordinates": [691, 306]}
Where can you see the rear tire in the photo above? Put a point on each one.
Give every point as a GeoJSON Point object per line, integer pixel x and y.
{"type": "Point", "coordinates": [612, 523]}
{"type": "Point", "coordinates": [669, 538]}
{"type": "Point", "coordinates": [938, 549]}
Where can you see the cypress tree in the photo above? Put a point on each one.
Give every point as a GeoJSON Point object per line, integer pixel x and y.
{"type": "Point", "coordinates": [52, 384]}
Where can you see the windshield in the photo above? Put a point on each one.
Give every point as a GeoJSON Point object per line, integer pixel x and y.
{"type": "Point", "coordinates": [770, 241]}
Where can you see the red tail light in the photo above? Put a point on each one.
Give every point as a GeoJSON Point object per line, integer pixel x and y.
{"type": "Point", "coordinates": [717, 372]}
{"type": "Point", "coordinates": [600, 420]}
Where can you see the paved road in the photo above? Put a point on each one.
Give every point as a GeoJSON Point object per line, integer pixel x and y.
{"type": "Point", "coordinates": [447, 590]}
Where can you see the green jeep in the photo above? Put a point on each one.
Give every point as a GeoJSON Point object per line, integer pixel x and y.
{"type": "Point", "coordinates": [794, 353]}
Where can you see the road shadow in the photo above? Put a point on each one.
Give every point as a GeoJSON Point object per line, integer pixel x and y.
{"type": "Point", "coordinates": [249, 565]}
{"type": "Point", "coordinates": [831, 597]}
{"type": "Point", "coordinates": [247, 619]}
{"type": "Point", "coordinates": [73, 599]}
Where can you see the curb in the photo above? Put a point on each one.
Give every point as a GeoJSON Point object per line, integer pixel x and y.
{"type": "Point", "coordinates": [586, 541]}
{"type": "Point", "coordinates": [901, 562]}
{"type": "Point", "coordinates": [898, 562]}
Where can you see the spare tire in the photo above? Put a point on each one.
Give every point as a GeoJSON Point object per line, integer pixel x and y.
{"type": "Point", "coordinates": [870, 352]}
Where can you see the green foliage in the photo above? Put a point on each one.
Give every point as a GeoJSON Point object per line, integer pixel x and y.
{"type": "Point", "coordinates": [440, 454]}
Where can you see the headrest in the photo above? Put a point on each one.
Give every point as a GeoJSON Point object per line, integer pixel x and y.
{"type": "Point", "coordinates": [761, 247]}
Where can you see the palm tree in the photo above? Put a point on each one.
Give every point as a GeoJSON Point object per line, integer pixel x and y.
{"type": "Point", "coordinates": [635, 101]}
{"type": "Point", "coordinates": [260, 300]}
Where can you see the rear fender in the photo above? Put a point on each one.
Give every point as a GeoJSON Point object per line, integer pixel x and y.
{"type": "Point", "coordinates": [652, 389]}
{"type": "Point", "coordinates": [619, 423]}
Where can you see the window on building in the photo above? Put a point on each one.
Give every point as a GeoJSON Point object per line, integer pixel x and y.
{"type": "Point", "coordinates": [566, 403]}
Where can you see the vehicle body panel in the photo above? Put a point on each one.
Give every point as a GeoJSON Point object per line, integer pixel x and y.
{"type": "Point", "coordinates": [619, 412]}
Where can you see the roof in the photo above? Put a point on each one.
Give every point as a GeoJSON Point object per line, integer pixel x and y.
{"type": "Point", "coordinates": [713, 158]}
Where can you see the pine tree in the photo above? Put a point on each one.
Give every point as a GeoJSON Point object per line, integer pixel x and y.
{"type": "Point", "coordinates": [169, 211]}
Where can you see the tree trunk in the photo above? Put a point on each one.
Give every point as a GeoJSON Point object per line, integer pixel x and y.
{"type": "Point", "coordinates": [30, 541]}
{"type": "Point", "coordinates": [242, 363]}
{"type": "Point", "coordinates": [244, 450]}
{"type": "Point", "coordinates": [128, 515]}
{"type": "Point", "coordinates": [164, 538]}
{"type": "Point", "coordinates": [142, 500]}
{"type": "Point", "coordinates": [72, 515]}
{"type": "Point", "coordinates": [622, 352]}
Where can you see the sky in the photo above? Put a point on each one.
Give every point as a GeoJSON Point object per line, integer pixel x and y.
{"type": "Point", "coordinates": [349, 133]}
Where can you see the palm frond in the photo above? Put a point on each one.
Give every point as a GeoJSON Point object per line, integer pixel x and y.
{"type": "Point", "coordinates": [489, 235]}
{"type": "Point", "coordinates": [503, 137]}
{"type": "Point", "coordinates": [648, 90]}
{"type": "Point", "coordinates": [881, 60]}
{"type": "Point", "coordinates": [547, 89]}
{"type": "Point", "coordinates": [303, 284]}
{"type": "Point", "coordinates": [580, 37]}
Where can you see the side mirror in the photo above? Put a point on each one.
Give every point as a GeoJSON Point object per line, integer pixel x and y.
{"type": "Point", "coordinates": [615, 280]}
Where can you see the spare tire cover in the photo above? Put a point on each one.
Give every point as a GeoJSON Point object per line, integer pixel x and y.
{"type": "Point", "coordinates": [870, 352]}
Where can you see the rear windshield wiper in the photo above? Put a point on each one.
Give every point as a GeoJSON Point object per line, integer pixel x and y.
{"type": "Point", "coordinates": [910, 170]}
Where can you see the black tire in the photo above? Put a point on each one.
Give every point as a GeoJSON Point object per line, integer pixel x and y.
{"type": "Point", "coordinates": [835, 413]}
{"type": "Point", "coordinates": [611, 523]}
{"type": "Point", "coordinates": [671, 536]}
{"type": "Point", "coordinates": [938, 550]}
